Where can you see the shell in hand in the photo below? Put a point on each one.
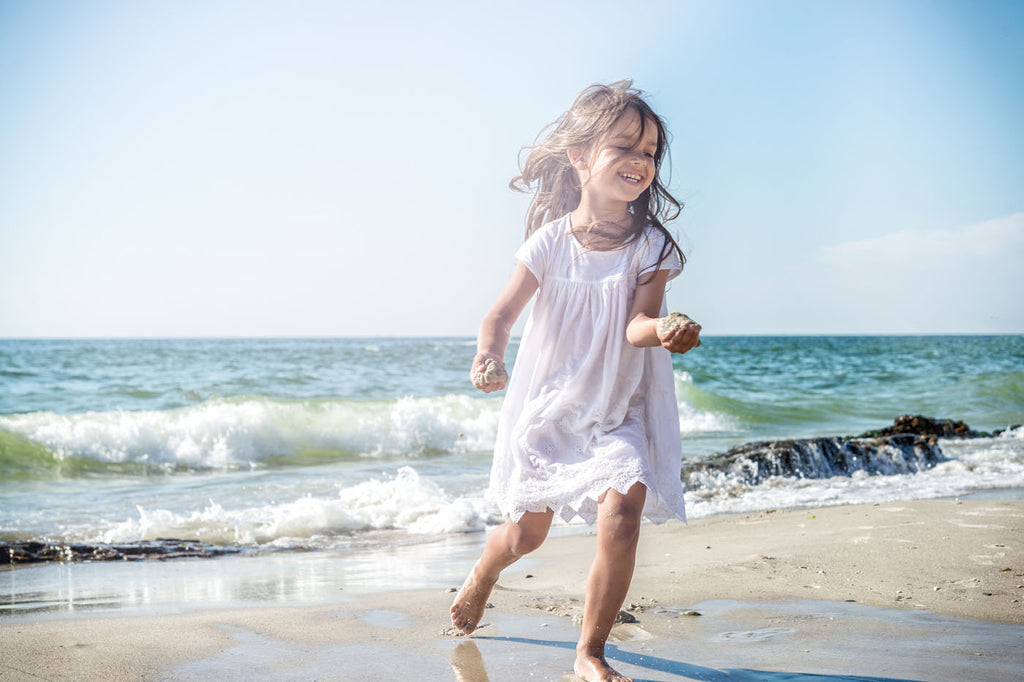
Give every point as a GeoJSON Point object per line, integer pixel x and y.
{"type": "Point", "coordinates": [672, 321]}
{"type": "Point", "coordinates": [493, 372]}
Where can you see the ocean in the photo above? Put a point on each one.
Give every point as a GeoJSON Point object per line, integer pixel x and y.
{"type": "Point", "coordinates": [308, 445]}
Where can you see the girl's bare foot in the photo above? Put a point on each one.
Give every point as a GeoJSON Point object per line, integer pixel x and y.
{"type": "Point", "coordinates": [596, 669]}
{"type": "Point", "coordinates": [470, 602]}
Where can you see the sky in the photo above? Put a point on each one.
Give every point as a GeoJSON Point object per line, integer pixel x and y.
{"type": "Point", "coordinates": [246, 168]}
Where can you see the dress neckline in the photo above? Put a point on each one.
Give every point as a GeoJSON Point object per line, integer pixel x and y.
{"type": "Point", "coordinates": [583, 249]}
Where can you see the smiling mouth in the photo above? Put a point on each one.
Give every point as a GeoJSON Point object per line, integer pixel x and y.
{"type": "Point", "coordinates": [630, 177]}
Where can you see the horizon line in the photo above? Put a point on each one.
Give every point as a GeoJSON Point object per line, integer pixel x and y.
{"type": "Point", "coordinates": [257, 337]}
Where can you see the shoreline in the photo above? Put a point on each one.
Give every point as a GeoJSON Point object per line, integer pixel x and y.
{"type": "Point", "coordinates": [929, 574]}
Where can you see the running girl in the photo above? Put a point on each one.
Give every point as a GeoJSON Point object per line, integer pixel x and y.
{"type": "Point", "coordinates": [589, 424]}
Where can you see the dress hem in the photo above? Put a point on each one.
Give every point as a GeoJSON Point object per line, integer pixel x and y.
{"type": "Point", "coordinates": [657, 509]}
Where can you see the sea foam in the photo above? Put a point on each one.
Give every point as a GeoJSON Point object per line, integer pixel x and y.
{"type": "Point", "coordinates": [221, 434]}
{"type": "Point", "coordinates": [971, 465]}
{"type": "Point", "coordinates": [405, 501]}
{"type": "Point", "coordinates": [238, 433]}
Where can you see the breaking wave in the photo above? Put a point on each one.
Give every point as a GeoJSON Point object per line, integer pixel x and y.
{"type": "Point", "coordinates": [246, 432]}
{"type": "Point", "coordinates": [225, 434]}
{"type": "Point", "coordinates": [405, 501]}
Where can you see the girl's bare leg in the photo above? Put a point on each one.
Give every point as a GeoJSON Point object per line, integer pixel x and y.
{"type": "Point", "coordinates": [505, 545]}
{"type": "Point", "coordinates": [618, 531]}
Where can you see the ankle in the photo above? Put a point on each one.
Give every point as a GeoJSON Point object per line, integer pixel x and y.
{"type": "Point", "coordinates": [590, 650]}
{"type": "Point", "coordinates": [482, 578]}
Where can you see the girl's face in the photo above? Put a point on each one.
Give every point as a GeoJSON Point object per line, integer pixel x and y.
{"type": "Point", "coordinates": [620, 166]}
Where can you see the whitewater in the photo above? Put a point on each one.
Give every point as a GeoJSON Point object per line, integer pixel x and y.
{"type": "Point", "coordinates": [312, 444]}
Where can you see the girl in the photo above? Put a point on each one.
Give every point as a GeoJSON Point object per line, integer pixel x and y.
{"type": "Point", "coordinates": [589, 424]}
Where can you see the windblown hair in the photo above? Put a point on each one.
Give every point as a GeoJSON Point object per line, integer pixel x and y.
{"type": "Point", "coordinates": [548, 173]}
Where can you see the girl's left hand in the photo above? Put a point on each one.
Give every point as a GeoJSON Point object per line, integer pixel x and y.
{"type": "Point", "coordinates": [681, 339]}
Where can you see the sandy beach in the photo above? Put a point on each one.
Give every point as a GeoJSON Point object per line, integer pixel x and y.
{"type": "Point", "coordinates": [922, 590]}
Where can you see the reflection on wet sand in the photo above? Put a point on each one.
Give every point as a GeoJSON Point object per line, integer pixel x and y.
{"type": "Point", "coordinates": [468, 663]}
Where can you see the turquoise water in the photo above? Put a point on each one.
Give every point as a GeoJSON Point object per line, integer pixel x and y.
{"type": "Point", "coordinates": [787, 387]}
{"type": "Point", "coordinates": [308, 443]}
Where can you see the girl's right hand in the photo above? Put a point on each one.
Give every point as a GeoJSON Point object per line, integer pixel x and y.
{"type": "Point", "coordinates": [476, 373]}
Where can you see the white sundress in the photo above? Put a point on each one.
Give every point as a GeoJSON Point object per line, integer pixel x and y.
{"type": "Point", "coordinates": [585, 410]}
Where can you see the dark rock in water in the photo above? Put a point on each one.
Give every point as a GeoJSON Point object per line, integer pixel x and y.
{"type": "Point", "coordinates": [31, 552]}
{"type": "Point", "coordinates": [754, 463]}
{"type": "Point", "coordinates": [910, 445]}
{"type": "Point", "coordinates": [926, 426]}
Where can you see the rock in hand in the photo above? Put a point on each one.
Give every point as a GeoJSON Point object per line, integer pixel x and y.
{"type": "Point", "coordinates": [493, 372]}
{"type": "Point", "coordinates": [673, 321]}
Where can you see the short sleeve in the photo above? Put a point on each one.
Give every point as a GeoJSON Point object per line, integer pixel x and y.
{"type": "Point", "coordinates": [535, 253]}
{"type": "Point", "coordinates": [650, 253]}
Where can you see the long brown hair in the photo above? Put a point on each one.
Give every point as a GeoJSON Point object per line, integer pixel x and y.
{"type": "Point", "coordinates": [548, 173]}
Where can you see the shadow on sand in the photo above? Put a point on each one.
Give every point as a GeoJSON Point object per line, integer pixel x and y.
{"type": "Point", "coordinates": [468, 664]}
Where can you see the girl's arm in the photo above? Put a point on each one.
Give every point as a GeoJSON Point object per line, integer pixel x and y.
{"type": "Point", "coordinates": [642, 329]}
{"type": "Point", "coordinates": [496, 328]}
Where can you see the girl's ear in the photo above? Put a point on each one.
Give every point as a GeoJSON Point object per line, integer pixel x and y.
{"type": "Point", "coordinates": [577, 157]}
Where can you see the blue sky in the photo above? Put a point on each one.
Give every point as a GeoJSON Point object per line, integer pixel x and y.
{"type": "Point", "coordinates": [329, 168]}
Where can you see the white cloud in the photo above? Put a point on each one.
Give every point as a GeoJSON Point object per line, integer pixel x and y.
{"type": "Point", "coordinates": [996, 238]}
{"type": "Point", "coordinates": [957, 280]}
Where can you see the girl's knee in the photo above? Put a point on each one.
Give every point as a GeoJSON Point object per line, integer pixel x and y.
{"type": "Point", "coordinates": [622, 528]}
{"type": "Point", "coordinates": [530, 533]}
{"type": "Point", "coordinates": [621, 518]}
{"type": "Point", "coordinates": [526, 540]}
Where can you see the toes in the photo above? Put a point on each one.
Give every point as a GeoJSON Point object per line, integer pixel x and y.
{"type": "Point", "coordinates": [463, 623]}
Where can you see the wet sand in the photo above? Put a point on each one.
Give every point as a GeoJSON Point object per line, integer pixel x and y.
{"type": "Point", "coordinates": [907, 590]}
